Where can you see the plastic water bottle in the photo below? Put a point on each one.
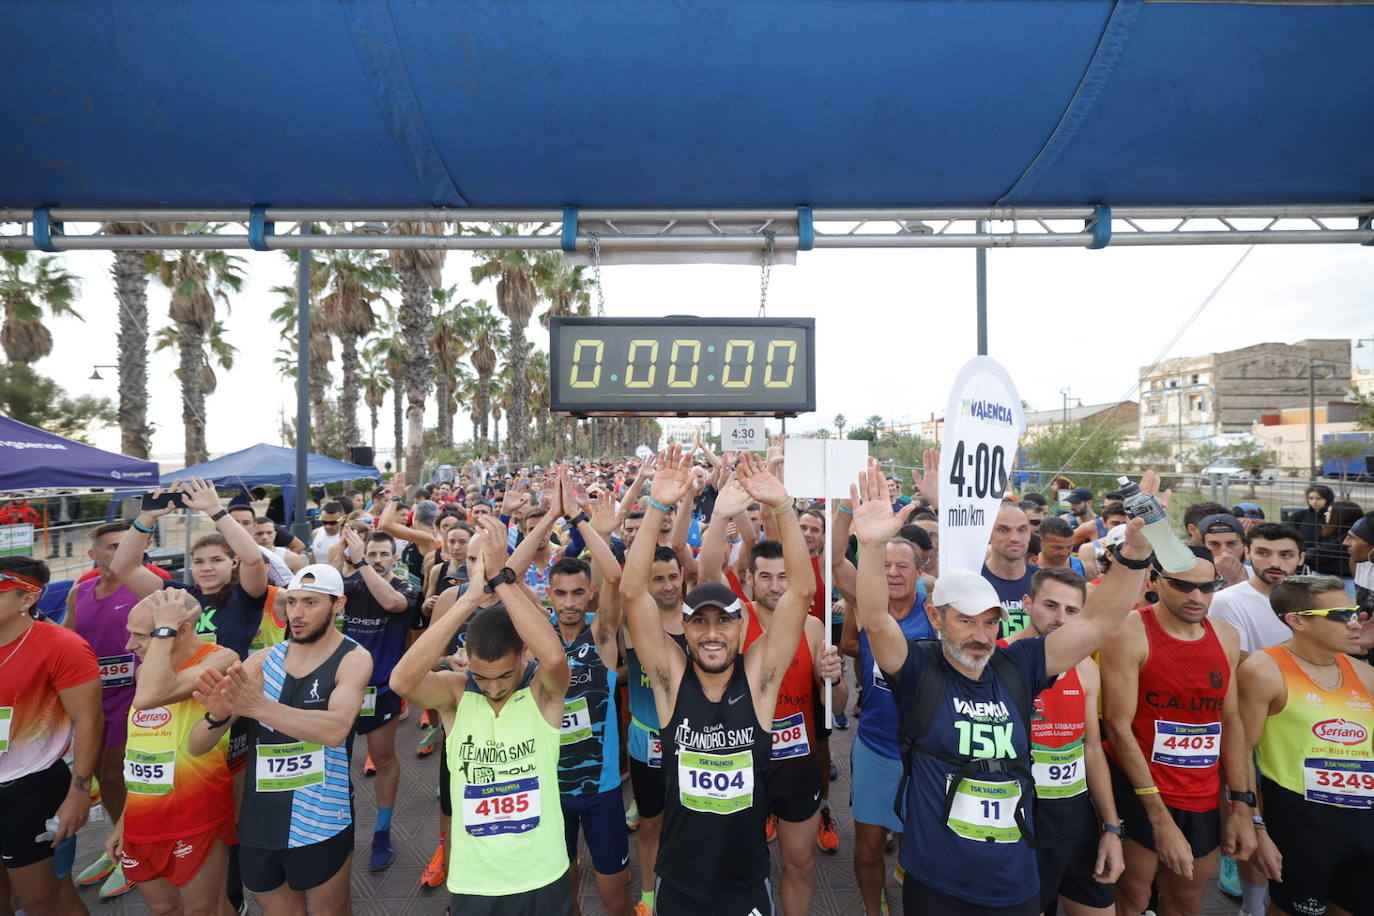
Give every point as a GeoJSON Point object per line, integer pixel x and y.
{"type": "Point", "coordinates": [1172, 553]}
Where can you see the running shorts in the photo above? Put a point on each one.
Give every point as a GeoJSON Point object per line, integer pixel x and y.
{"type": "Point", "coordinates": [25, 806]}
{"type": "Point", "coordinates": [303, 867]}
{"type": "Point", "coordinates": [175, 861]}
{"type": "Point", "coordinates": [602, 818]}
{"type": "Point", "coordinates": [1328, 853]}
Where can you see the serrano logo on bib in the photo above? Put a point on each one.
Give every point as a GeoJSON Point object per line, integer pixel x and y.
{"type": "Point", "coordinates": [152, 718]}
{"type": "Point", "coordinates": [1341, 731]}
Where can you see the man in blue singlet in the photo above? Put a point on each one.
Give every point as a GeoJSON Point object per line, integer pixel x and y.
{"type": "Point", "coordinates": [300, 699]}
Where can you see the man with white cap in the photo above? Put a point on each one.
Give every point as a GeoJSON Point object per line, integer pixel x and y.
{"type": "Point", "coordinates": [302, 698]}
{"type": "Point", "coordinates": [965, 705]}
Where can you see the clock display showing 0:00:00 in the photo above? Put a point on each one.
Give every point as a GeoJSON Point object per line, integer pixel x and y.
{"type": "Point", "coordinates": [683, 368]}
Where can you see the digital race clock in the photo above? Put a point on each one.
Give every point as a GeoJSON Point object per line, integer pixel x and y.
{"type": "Point", "coordinates": [682, 366]}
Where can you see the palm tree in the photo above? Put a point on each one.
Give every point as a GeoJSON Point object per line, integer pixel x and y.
{"type": "Point", "coordinates": [538, 374]}
{"type": "Point", "coordinates": [567, 292]}
{"type": "Point", "coordinates": [221, 352]}
{"type": "Point", "coordinates": [451, 339]}
{"type": "Point", "coordinates": [129, 272]}
{"type": "Point", "coordinates": [516, 297]}
{"type": "Point", "coordinates": [198, 280]}
{"type": "Point", "coordinates": [420, 272]}
{"type": "Point", "coordinates": [874, 423]}
{"type": "Point", "coordinates": [487, 340]}
{"type": "Point", "coordinates": [26, 288]}
{"type": "Point", "coordinates": [352, 280]}
{"type": "Point", "coordinates": [375, 382]}
{"type": "Point", "coordinates": [321, 355]}
{"type": "Point", "coordinates": [387, 348]}
{"type": "Point", "coordinates": [840, 423]}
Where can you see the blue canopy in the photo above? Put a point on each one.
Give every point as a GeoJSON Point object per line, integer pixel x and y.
{"type": "Point", "coordinates": [32, 458]}
{"type": "Point", "coordinates": [690, 103]}
{"type": "Point", "coordinates": [264, 465]}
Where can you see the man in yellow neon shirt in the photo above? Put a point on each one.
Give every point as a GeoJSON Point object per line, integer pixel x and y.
{"type": "Point", "coordinates": [1309, 713]}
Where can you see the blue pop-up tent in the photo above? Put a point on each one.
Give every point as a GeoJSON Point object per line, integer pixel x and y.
{"type": "Point", "coordinates": [31, 458]}
{"type": "Point", "coordinates": [264, 465]}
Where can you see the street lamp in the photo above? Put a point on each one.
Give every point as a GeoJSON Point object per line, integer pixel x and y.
{"type": "Point", "coordinates": [1312, 364]}
{"type": "Point", "coordinates": [95, 375]}
{"type": "Point", "coordinates": [1065, 393]}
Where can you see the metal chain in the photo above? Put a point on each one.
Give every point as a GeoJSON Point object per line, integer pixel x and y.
{"type": "Point", "coordinates": [595, 239]}
{"type": "Point", "coordinates": [767, 269]}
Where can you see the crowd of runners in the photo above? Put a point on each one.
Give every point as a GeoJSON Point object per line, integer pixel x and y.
{"type": "Point", "coordinates": [1069, 727]}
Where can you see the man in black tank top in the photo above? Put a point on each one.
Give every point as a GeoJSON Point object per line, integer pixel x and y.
{"type": "Point", "coordinates": [716, 708]}
{"type": "Point", "coordinates": [300, 699]}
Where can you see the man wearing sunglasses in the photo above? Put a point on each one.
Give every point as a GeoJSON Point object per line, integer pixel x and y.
{"type": "Point", "coordinates": [1309, 713]}
{"type": "Point", "coordinates": [1174, 730]}
{"type": "Point", "coordinates": [329, 532]}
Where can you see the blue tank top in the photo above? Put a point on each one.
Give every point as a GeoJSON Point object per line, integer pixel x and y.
{"type": "Point", "coordinates": [642, 736]}
{"type": "Point", "coordinates": [589, 752]}
{"type": "Point", "coordinates": [878, 724]}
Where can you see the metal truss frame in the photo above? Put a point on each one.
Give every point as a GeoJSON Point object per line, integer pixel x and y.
{"type": "Point", "coordinates": [725, 230]}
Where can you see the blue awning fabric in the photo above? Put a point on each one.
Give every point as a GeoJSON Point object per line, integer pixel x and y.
{"type": "Point", "coordinates": [690, 104]}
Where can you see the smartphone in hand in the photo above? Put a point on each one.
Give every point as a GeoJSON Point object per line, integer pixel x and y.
{"type": "Point", "coordinates": [153, 503]}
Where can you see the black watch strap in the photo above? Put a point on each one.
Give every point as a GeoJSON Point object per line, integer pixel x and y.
{"type": "Point", "coordinates": [505, 577]}
{"type": "Point", "coordinates": [219, 515]}
{"type": "Point", "coordinates": [1114, 828]}
{"type": "Point", "coordinates": [1126, 561]}
{"type": "Point", "coordinates": [1247, 798]}
{"type": "Point", "coordinates": [163, 632]}
{"type": "Point", "coordinates": [216, 723]}
{"type": "Point", "coordinates": [578, 519]}
{"type": "Point", "coordinates": [360, 564]}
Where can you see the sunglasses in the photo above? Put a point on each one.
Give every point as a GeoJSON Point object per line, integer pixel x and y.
{"type": "Point", "coordinates": [1183, 585]}
{"type": "Point", "coordinates": [330, 522]}
{"type": "Point", "coordinates": [1338, 614]}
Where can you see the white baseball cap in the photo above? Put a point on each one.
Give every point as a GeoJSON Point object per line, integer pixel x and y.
{"type": "Point", "coordinates": [967, 592]}
{"type": "Point", "coordinates": [318, 577]}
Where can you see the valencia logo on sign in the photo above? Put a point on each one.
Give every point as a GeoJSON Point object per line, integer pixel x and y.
{"type": "Point", "coordinates": [152, 718]}
{"type": "Point", "coordinates": [1341, 731]}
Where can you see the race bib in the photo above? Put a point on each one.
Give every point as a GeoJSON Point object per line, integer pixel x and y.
{"type": "Point", "coordinates": [1182, 744]}
{"type": "Point", "coordinates": [879, 680]}
{"type": "Point", "coordinates": [149, 772]}
{"type": "Point", "coordinates": [369, 707]}
{"type": "Point", "coordinates": [655, 750]}
{"type": "Point", "coordinates": [1347, 783]}
{"type": "Point", "coordinates": [577, 723]}
{"type": "Point", "coordinates": [6, 717]}
{"type": "Point", "coordinates": [501, 807]}
{"type": "Point", "coordinates": [1059, 772]}
{"type": "Point", "coordinates": [288, 767]}
{"type": "Point", "coordinates": [789, 737]}
{"type": "Point", "coordinates": [715, 783]}
{"type": "Point", "coordinates": [985, 811]}
{"type": "Point", "coordinates": [116, 670]}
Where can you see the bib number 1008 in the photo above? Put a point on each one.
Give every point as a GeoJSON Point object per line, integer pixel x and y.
{"type": "Point", "coordinates": [980, 473]}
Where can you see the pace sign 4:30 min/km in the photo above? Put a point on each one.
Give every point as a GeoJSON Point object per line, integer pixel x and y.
{"type": "Point", "coordinates": [680, 366]}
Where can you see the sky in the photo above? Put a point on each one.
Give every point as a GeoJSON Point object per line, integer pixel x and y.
{"type": "Point", "coordinates": [893, 326]}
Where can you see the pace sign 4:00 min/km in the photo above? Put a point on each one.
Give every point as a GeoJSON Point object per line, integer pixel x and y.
{"type": "Point", "coordinates": [681, 366]}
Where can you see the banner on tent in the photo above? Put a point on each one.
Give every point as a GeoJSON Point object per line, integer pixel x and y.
{"type": "Point", "coordinates": [983, 424]}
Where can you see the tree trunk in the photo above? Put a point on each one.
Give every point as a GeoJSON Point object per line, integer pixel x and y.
{"type": "Point", "coordinates": [319, 412]}
{"type": "Point", "coordinates": [447, 408]}
{"type": "Point", "coordinates": [348, 397]}
{"type": "Point", "coordinates": [131, 288]}
{"type": "Point", "coordinates": [192, 396]}
{"type": "Point", "coordinates": [415, 328]}
{"type": "Point", "coordinates": [372, 410]}
{"type": "Point", "coordinates": [397, 426]}
{"type": "Point", "coordinates": [496, 436]}
{"type": "Point", "coordinates": [484, 409]}
{"type": "Point", "coordinates": [517, 418]}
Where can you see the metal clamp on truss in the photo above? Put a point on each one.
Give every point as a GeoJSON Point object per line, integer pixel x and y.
{"type": "Point", "coordinates": [1100, 226]}
{"type": "Point", "coordinates": [259, 229]}
{"type": "Point", "coordinates": [44, 229]}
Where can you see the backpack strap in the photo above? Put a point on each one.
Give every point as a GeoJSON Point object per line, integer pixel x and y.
{"type": "Point", "coordinates": [920, 714]}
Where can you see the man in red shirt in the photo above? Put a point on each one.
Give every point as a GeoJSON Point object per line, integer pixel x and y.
{"type": "Point", "coordinates": [1174, 729]}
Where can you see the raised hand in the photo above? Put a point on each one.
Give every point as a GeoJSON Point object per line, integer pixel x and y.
{"type": "Point", "coordinates": [672, 477]}
{"type": "Point", "coordinates": [241, 690]}
{"type": "Point", "coordinates": [207, 694]}
{"type": "Point", "coordinates": [516, 498]}
{"type": "Point", "coordinates": [353, 545]}
{"type": "Point", "coordinates": [927, 480]}
{"type": "Point", "coordinates": [732, 501]}
{"type": "Point", "coordinates": [172, 506]}
{"type": "Point", "coordinates": [874, 521]}
{"type": "Point", "coordinates": [758, 481]}
{"type": "Point", "coordinates": [1149, 483]}
{"type": "Point", "coordinates": [602, 511]}
{"type": "Point", "coordinates": [199, 494]}
{"type": "Point", "coordinates": [775, 453]}
{"type": "Point", "coordinates": [493, 544]}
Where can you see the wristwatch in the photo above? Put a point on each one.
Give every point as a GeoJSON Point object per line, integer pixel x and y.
{"type": "Point", "coordinates": [219, 515]}
{"type": "Point", "coordinates": [578, 519]}
{"type": "Point", "coordinates": [1247, 798]}
{"type": "Point", "coordinates": [163, 632]}
{"type": "Point", "coordinates": [1126, 561]}
{"type": "Point", "coordinates": [360, 564]}
{"type": "Point", "coordinates": [505, 577]}
{"type": "Point", "coordinates": [216, 723]}
{"type": "Point", "coordinates": [1114, 828]}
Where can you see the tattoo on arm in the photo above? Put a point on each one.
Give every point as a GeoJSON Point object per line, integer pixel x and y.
{"type": "Point", "coordinates": [82, 782]}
